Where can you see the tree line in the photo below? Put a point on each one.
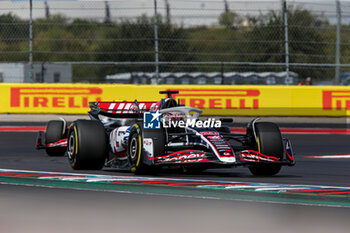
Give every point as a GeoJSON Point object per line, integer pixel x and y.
{"type": "Point", "coordinates": [238, 39]}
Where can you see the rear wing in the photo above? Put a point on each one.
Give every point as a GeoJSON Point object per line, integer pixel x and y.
{"type": "Point", "coordinates": [123, 109]}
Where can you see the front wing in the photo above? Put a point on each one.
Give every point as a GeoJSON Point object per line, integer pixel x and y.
{"type": "Point", "coordinates": [40, 144]}
{"type": "Point", "coordinates": [244, 157]}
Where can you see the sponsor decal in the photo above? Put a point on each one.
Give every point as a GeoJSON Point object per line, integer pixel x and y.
{"type": "Point", "coordinates": [226, 147]}
{"type": "Point", "coordinates": [127, 107]}
{"type": "Point", "coordinates": [151, 120]}
{"type": "Point", "coordinates": [192, 160]}
{"type": "Point", "coordinates": [204, 133]}
{"type": "Point", "coordinates": [148, 147]}
{"type": "Point", "coordinates": [60, 143]}
{"type": "Point", "coordinates": [53, 97]}
{"type": "Point", "coordinates": [336, 100]}
{"type": "Point", "coordinates": [224, 150]}
{"type": "Point", "coordinates": [289, 152]}
{"type": "Point", "coordinates": [178, 153]}
{"type": "Point", "coordinates": [254, 158]}
{"type": "Point", "coordinates": [219, 98]}
{"type": "Point", "coordinates": [221, 146]}
{"type": "Point", "coordinates": [229, 159]}
{"type": "Point", "coordinates": [118, 140]}
{"type": "Point", "coordinates": [255, 155]}
{"type": "Point", "coordinates": [185, 157]}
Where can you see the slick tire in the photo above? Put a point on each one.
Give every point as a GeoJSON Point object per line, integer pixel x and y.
{"type": "Point", "coordinates": [55, 131]}
{"type": "Point", "coordinates": [269, 142]}
{"type": "Point", "coordinates": [135, 150]}
{"type": "Point", "coordinates": [87, 145]}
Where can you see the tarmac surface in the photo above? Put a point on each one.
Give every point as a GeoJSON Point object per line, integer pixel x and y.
{"type": "Point", "coordinates": [39, 208]}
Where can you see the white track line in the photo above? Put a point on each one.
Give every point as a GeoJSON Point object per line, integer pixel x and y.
{"type": "Point", "coordinates": [328, 156]}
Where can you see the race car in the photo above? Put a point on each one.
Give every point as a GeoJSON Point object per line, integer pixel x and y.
{"type": "Point", "coordinates": [145, 136]}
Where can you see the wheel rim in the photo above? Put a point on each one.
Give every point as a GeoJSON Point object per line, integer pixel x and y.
{"type": "Point", "coordinates": [133, 149]}
{"type": "Point", "coordinates": [71, 146]}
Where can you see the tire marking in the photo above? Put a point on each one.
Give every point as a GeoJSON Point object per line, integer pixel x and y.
{"type": "Point", "coordinates": [139, 152]}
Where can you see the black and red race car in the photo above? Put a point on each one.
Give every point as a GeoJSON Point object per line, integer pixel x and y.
{"type": "Point", "coordinates": [144, 136]}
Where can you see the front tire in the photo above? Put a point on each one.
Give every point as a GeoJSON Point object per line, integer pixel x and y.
{"type": "Point", "coordinates": [87, 145]}
{"type": "Point", "coordinates": [55, 131]}
{"type": "Point", "coordinates": [269, 142]}
{"type": "Point", "coordinates": [135, 149]}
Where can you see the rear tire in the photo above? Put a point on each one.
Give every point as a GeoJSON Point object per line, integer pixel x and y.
{"type": "Point", "coordinates": [269, 142]}
{"type": "Point", "coordinates": [87, 145]}
{"type": "Point", "coordinates": [55, 131]}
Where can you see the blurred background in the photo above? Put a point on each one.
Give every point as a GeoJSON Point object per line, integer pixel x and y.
{"type": "Point", "coordinates": [285, 42]}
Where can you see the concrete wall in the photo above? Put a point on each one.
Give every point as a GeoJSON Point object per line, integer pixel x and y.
{"type": "Point", "coordinates": [12, 72]}
{"type": "Point", "coordinates": [42, 73]}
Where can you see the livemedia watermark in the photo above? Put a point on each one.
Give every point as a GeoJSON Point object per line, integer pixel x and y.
{"type": "Point", "coordinates": [191, 123]}
{"type": "Point", "coordinates": [153, 120]}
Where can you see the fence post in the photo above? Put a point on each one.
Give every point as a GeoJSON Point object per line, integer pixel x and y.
{"type": "Point", "coordinates": [31, 40]}
{"type": "Point", "coordinates": [47, 10]}
{"type": "Point", "coordinates": [107, 13]}
{"type": "Point", "coordinates": [286, 39]}
{"type": "Point", "coordinates": [168, 17]}
{"type": "Point", "coordinates": [337, 49]}
{"type": "Point", "coordinates": [227, 8]}
{"type": "Point", "coordinates": [156, 52]}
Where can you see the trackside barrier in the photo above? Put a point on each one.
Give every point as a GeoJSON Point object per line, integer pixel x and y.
{"type": "Point", "coordinates": [214, 100]}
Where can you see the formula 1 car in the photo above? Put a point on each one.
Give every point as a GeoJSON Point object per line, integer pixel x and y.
{"type": "Point", "coordinates": [144, 136]}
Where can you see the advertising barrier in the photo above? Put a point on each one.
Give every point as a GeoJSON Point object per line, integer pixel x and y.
{"type": "Point", "coordinates": [214, 100]}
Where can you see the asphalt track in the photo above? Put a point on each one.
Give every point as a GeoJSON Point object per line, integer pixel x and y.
{"type": "Point", "coordinates": [17, 152]}
{"type": "Point", "coordinates": [39, 208]}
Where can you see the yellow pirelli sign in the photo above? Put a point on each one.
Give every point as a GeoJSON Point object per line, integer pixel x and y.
{"type": "Point", "coordinates": [214, 100]}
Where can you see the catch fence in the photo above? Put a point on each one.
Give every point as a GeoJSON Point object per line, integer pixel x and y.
{"type": "Point", "coordinates": [97, 39]}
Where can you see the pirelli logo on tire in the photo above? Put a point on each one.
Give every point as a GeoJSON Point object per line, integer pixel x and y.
{"type": "Point", "coordinates": [54, 98]}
